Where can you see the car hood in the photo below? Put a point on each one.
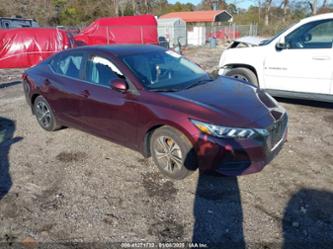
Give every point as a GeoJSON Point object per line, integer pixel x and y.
{"type": "Point", "coordinates": [247, 40]}
{"type": "Point", "coordinates": [230, 102]}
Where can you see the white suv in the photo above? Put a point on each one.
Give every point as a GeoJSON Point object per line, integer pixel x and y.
{"type": "Point", "coordinates": [296, 63]}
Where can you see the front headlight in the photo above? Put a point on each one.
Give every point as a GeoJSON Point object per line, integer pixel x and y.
{"type": "Point", "coordinates": [228, 132]}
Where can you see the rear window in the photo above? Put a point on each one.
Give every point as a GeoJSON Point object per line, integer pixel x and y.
{"type": "Point", "coordinates": [68, 65]}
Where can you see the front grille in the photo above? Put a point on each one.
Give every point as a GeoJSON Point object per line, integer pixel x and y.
{"type": "Point", "coordinates": [276, 132]}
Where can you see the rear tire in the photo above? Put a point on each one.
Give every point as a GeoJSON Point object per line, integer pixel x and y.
{"type": "Point", "coordinates": [44, 114]}
{"type": "Point", "coordinates": [173, 153]}
{"type": "Point", "coordinates": [244, 74]}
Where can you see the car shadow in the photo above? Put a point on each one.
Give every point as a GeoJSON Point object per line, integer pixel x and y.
{"type": "Point", "coordinates": [308, 220]}
{"type": "Point", "coordinates": [218, 212]}
{"type": "Point", "coordinates": [7, 129]}
{"type": "Point", "coordinates": [304, 102]}
{"type": "Point", "coordinates": [217, 208]}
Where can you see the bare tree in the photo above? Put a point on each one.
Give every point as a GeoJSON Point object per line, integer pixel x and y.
{"type": "Point", "coordinates": [134, 6]}
{"type": "Point", "coordinates": [313, 6]}
{"type": "Point", "coordinates": [324, 4]}
{"type": "Point", "coordinates": [267, 6]}
{"type": "Point", "coordinates": [116, 7]}
{"type": "Point", "coordinates": [284, 5]}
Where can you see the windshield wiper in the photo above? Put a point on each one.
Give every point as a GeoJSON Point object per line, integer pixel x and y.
{"type": "Point", "coordinates": [197, 83]}
{"type": "Point", "coordinates": [163, 89]}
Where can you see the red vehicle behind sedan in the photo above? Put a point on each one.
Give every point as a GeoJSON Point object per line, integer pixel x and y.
{"type": "Point", "coordinates": [26, 47]}
{"type": "Point", "coordinates": [155, 101]}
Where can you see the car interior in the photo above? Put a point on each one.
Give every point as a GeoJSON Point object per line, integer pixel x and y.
{"type": "Point", "coordinates": [100, 74]}
{"type": "Point", "coordinates": [311, 36]}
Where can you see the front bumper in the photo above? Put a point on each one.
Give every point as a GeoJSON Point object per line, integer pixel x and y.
{"type": "Point", "coordinates": [239, 157]}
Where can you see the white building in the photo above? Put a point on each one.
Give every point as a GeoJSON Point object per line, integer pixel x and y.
{"type": "Point", "coordinates": [198, 23]}
{"type": "Point", "coordinates": [174, 30]}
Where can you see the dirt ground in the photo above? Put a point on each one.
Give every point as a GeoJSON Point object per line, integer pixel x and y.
{"type": "Point", "coordinates": [70, 187]}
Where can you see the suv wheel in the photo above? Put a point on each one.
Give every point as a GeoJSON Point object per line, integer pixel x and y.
{"type": "Point", "coordinates": [244, 74]}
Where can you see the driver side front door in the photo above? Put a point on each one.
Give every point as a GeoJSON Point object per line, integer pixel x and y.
{"type": "Point", "coordinates": [104, 111]}
{"type": "Point", "coordinates": [306, 65]}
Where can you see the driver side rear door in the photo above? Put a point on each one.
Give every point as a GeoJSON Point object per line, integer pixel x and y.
{"type": "Point", "coordinates": [306, 65]}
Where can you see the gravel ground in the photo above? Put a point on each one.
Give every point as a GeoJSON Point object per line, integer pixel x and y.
{"type": "Point", "coordinates": [69, 186]}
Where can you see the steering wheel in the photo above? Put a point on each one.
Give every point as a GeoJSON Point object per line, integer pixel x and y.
{"type": "Point", "coordinates": [165, 74]}
{"type": "Point", "coordinates": [162, 73]}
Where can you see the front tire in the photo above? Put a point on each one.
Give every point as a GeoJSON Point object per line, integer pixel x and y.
{"type": "Point", "coordinates": [44, 114]}
{"type": "Point", "coordinates": [244, 74]}
{"type": "Point", "coordinates": [173, 153]}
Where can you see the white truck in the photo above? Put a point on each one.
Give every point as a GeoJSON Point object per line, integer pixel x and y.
{"type": "Point", "coordinates": [296, 63]}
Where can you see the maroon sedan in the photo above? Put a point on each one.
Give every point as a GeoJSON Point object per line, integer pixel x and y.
{"type": "Point", "coordinates": [155, 101]}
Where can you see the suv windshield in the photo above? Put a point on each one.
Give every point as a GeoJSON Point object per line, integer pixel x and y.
{"type": "Point", "coordinates": [164, 70]}
{"type": "Point", "coordinates": [268, 41]}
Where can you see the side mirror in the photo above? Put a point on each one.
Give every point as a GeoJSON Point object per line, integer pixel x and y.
{"type": "Point", "coordinates": [119, 85]}
{"type": "Point", "coordinates": [281, 44]}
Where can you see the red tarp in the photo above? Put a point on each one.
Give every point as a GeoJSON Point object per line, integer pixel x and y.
{"type": "Point", "coordinates": [120, 30]}
{"type": "Point", "coordinates": [26, 47]}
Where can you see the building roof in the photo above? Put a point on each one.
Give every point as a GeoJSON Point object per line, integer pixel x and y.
{"type": "Point", "coordinates": [200, 16]}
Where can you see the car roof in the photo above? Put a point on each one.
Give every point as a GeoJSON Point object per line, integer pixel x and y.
{"type": "Point", "coordinates": [121, 50]}
{"type": "Point", "coordinates": [318, 17]}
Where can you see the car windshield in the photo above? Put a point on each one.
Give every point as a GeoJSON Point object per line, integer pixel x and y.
{"type": "Point", "coordinates": [165, 70]}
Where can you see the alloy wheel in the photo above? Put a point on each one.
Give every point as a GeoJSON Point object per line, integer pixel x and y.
{"type": "Point", "coordinates": [43, 114]}
{"type": "Point", "coordinates": [168, 154]}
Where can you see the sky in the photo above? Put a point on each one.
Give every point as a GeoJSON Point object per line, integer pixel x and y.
{"type": "Point", "coordinates": [242, 4]}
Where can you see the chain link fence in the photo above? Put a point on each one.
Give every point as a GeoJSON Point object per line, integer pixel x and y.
{"type": "Point", "coordinates": [175, 33]}
{"type": "Point", "coordinates": [200, 35]}
{"type": "Point", "coordinates": [231, 31]}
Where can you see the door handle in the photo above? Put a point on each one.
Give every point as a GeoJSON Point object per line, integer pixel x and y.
{"type": "Point", "coordinates": [321, 58]}
{"type": "Point", "coordinates": [85, 93]}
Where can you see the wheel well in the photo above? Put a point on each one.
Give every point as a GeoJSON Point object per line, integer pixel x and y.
{"type": "Point", "coordinates": [33, 98]}
{"type": "Point", "coordinates": [146, 144]}
{"type": "Point", "coordinates": [245, 66]}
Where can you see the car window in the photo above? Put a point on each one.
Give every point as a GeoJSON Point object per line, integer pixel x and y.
{"type": "Point", "coordinates": [68, 65]}
{"type": "Point", "coordinates": [314, 35]}
{"type": "Point", "coordinates": [101, 71]}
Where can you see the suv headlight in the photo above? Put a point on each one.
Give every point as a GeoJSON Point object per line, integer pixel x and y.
{"type": "Point", "coordinates": [228, 132]}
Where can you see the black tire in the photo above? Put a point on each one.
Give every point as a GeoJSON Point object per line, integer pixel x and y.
{"type": "Point", "coordinates": [174, 165]}
{"type": "Point", "coordinates": [26, 89]}
{"type": "Point", "coordinates": [44, 114]}
{"type": "Point", "coordinates": [244, 74]}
